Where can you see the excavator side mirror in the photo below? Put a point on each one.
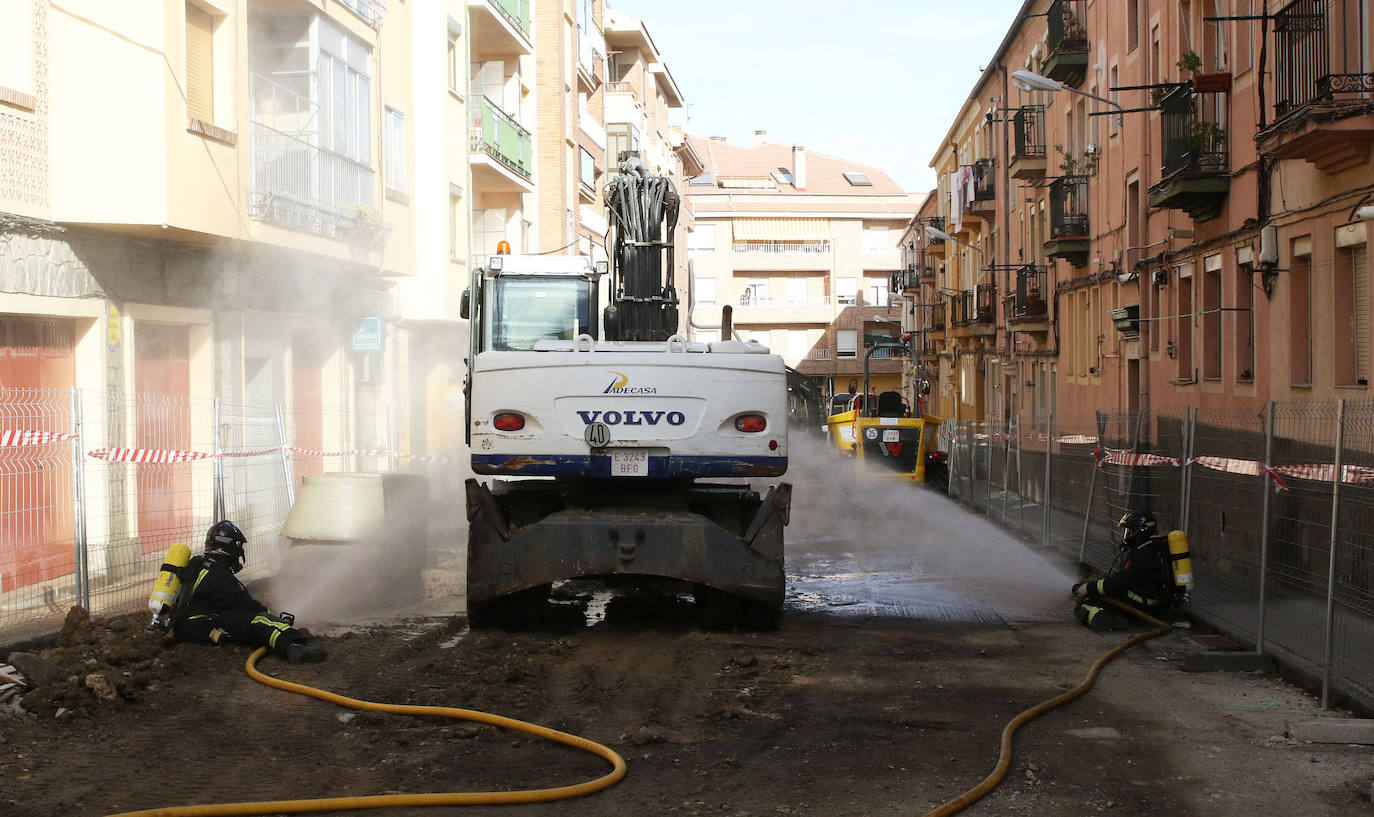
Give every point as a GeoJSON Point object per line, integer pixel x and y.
{"type": "Point", "coordinates": [464, 303]}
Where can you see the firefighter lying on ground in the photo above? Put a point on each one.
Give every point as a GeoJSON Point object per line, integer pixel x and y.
{"type": "Point", "coordinates": [1143, 580]}
{"type": "Point", "coordinates": [214, 608]}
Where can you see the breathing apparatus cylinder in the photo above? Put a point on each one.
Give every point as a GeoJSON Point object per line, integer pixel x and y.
{"type": "Point", "coordinates": [168, 582]}
{"type": "Point", "coordinates": [1182, 563]}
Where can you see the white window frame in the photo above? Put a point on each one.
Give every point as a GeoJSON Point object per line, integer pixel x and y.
{"type": "Point", "coordinates": [846, 343]}
{"type": "Point", "coordinates": [702, 238]}
{"type": "Point", "coordinates": [847, 291]}
{"type": "Point", "coordinates": [394, 122]}
{"type": "Point", "coordinates": [705, 291]}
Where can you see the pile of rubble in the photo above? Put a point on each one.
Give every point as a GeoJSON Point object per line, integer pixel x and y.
{"type": "Point", "coordinates": [94, 662]}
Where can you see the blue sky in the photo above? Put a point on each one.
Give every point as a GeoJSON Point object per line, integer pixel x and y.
{"type": "Point", "coordinates": [879, 84]}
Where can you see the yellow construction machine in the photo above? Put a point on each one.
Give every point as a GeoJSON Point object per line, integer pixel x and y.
{"type": "Point", "coordinates": [884, 434]}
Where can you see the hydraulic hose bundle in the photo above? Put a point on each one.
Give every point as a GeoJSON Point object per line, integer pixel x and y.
{"type": "Point", "coordinates": [643, 219]}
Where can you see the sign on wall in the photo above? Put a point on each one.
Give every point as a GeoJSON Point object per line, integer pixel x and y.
{"type": "Point", "coordinates": [370, 336]}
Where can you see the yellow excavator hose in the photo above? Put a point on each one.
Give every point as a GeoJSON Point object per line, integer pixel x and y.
{"type": "Point", "coordinates": [990, 782]}
{"type": "Point", "coordinates": [397, 800]}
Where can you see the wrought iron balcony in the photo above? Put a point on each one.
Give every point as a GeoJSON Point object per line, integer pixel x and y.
{"type": "Point", "coordinates": [984, 204]}
{"type": "Point", "coordinates": [1321, 100]}
{"type": "Point", "coordinates": [1069, 207]}
{"type": "Point", "coordinates": [906, 279]}
{"type": "Point", "coordinates": [985, 304]}
{"type": "Point", "coordinates": [1195, 177]}
{"type": "Point", "coordinates": [1026, 308]}
{"type": "Point", "coordinates": [975, 307]}
{"type": "Point", "coordinates": [1028, 154]}
{"type": "Point", "coordinates": [1069, 236]}
{"type": "Point", "coordinates": [1067, 40]}
{"type": "Point", "coordinates": [939, 312]}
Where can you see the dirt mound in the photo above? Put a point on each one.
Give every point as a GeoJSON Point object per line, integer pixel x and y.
{"type": "Point", "coordinates": [95, 662]}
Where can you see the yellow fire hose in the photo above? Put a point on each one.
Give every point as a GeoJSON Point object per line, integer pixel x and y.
{"type": "Point", "coordinates": [990, 782]}
{"type": "Point", "coordinates": [395, 800]}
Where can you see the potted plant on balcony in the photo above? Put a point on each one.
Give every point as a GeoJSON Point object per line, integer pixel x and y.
{"type": "Point", "coordinates": [1075, 34]}
{"type": "Point", "coordinates": [1204, 83]}
{"type": "Point", "coordinates": [1206, 141]}
{"type": "Point", "coordinates": [363, 225]}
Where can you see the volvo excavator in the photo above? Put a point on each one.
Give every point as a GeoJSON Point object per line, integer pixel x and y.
{"type": "Point", "coordinates": [608, 447]}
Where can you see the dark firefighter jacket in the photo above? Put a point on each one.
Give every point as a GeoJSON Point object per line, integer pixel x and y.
{"type": "Point", "coordinates": [217, 609]}
{"type": "Point", "coordinates": [1144, 581]}
{"type": "Point", "coordinates": [210, 588]}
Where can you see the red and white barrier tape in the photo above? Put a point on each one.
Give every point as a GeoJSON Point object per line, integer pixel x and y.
{"type": "Point", "coordinates": [1116, 456]}
{"type": "Point", "coordinates": [360, 452]}
{"type": "Point", "coordinates": [13, 438]}
{"type": "Point", "coordinates": [147, 455]}
{"type": "Point", "coordinates": [1354, 474]}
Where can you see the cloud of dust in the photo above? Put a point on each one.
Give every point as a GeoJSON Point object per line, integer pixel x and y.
{"type": "Point", "coordinates": [389, 570]}
{"type": "Point", "coordinates": [838, 505]}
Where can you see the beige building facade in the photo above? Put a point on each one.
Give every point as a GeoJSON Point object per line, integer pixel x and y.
{"type": "Point", "coordinates": [803, 248]}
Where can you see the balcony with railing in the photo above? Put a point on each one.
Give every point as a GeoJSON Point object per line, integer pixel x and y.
{"type": "Point", "coordinates": [1069, 236]}
{"type": "Point", "coordinates": [1067, 42]}
{"type": "Point", "coordinates": [1324, 95]}
{"type": "Point", "coordinates": [296, 183]}
{"type": "Point", "coordinates": [939, 313]}
{"type": "Point", "coordinates": [752, 306]}
{"type": "Point", "coordinates": [936, 246]}
{"type": "Point", "coordinates": [975, 311]}
{"type": "Point", "coordinates": [497, 137]}
{"type": "Point", "coordinates": [1026, 308]}
{"type": "Point", "coordinates": [984, 204]}
{"type": "Point", "coordinates": [904, 280]}
{"type": "Point", "coordinates": [369, 11]}
{"type": "Point", "coordinates": [1195, 175]}
{"type": "Point", "coordinates": [781, 247]}
{"type": "Point", "coordinates": [1028, 159]}
{"type": "Point", "coordinates": [500, 27]}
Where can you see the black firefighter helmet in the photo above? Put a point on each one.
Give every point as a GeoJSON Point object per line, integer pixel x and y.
{"type": "Point", "coordinates": [1139, 527]}
{"type": "Point", "coordinates": [224, 541]}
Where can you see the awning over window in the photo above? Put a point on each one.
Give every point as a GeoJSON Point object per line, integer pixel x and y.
{"type": "Point", "coordinates": [781, 229]}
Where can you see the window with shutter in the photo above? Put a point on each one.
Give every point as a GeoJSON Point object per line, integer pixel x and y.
{"type": "Point", "coordinates": [200, 84]}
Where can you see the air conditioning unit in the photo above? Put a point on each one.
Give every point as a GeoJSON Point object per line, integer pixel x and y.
{"type": "Point", "coordinates": [1160, 277]}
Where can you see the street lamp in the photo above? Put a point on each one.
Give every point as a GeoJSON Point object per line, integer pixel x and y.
{"type": "Point", "coordinates": [937, 233]}
{"type": "Point", "coordinates": [1031, 81]}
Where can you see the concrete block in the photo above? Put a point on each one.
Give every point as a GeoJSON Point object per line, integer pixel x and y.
{"type": "Point", "coordinates": [1333, 730]}
{"type": "Point", "coordinates": [1229, 662]}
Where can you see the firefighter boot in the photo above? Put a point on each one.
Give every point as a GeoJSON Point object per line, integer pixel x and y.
{"type": "Point", "coordinates": [300, 652]}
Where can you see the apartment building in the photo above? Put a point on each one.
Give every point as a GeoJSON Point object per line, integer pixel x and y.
{"type": "Point", "coordinates": [503, 115]}
{"type": "Point", "coordinates": [804, 249]}
{"type": "Point", "coordinates": [1163, 209]}
{"type": "Point", "coordinates": [208, 216]}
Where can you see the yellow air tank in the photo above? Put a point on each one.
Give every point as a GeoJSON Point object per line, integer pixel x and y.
{"type": "Point", "coordinates": [1181, 561]}
{"type": "Point", "coordinates": [168, 582]}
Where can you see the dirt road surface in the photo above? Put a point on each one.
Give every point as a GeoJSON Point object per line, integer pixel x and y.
{"type": "Point", "coordinates": [904, 650]}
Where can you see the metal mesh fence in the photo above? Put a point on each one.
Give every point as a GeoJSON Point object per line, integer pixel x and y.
{"type": "Point", "coordinates": [94, 488]}
{"type": "Point", "coordinates": [1283, 552]}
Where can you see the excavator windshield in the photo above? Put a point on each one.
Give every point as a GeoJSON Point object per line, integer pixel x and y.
{"type": "Point", "coordinates": [528, 309]}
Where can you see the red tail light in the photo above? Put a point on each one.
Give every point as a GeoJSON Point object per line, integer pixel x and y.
{"type": "Point", "coordinates": [509, 421]}
{"type": "Point", "coordinates": [750, 423]}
